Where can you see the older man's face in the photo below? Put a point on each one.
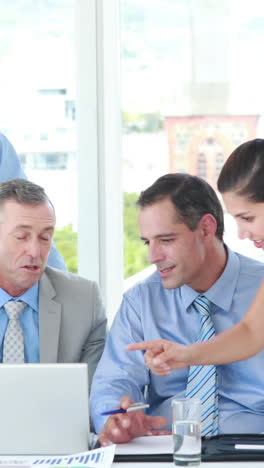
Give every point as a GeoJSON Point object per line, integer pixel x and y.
{"type": "Point", "coordinates": [25, 240]}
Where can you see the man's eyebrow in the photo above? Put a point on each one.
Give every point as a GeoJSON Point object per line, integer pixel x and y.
{"type": "Point", "coordinates": [158, 236]}
{"type": "Point", "coordinates": [29, 227]}
{"type": "Point", "coordinates": [49, 228]}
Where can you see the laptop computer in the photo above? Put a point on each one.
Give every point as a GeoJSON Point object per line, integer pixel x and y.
{"type": "Point", "coordinates": [43, 409]}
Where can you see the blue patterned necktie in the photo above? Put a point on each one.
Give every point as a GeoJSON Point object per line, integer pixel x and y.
{"type": "Point", "coordinates": [202, 380]}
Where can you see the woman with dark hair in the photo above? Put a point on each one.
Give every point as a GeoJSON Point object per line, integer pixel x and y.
{"type": "Point", "coordinates": [241, 183]}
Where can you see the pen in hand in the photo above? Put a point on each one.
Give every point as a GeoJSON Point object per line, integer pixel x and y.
{"type": "Point", "coordinates": [136, 406]}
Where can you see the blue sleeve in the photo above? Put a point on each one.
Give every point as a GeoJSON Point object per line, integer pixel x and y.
{"type": "Point", "coordinates": [55, 259]}
{"type": "Point", "coordinates": [10, 168]}
{"type": "Point", "coordinates": [119, 372]}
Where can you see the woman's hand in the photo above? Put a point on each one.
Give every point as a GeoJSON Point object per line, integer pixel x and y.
{"type": "Point", "coordinates": [162, 356]}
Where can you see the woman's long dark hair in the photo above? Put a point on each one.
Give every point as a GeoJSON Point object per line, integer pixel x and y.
{"type": "Point", "coordinates": [243, 171]}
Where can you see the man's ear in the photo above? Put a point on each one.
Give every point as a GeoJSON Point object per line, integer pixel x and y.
{"type": "Point", "coordinates": [208, 225]}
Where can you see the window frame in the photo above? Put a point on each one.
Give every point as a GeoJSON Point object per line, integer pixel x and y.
{"type": "Point", "coordinates": [99, 133]}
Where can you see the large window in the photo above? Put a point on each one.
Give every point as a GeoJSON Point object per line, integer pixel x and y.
{"type": "Point", "coordinates": [192, 90]}
{"type": "Point", "coordinates": [37, 102]}
{"type": "Point", "coordinates": [60, 107]}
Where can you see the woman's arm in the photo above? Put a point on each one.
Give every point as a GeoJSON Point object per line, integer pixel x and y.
{"type": "Point", "coordinates": [243, 340]}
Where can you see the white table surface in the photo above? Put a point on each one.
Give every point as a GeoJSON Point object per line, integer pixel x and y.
{"type": "Point", "coordinates": [163, 444]}
{"type": "Point", "coordinates": [160, 464]}
{"type": "Point", "coordinates": [204, 465]}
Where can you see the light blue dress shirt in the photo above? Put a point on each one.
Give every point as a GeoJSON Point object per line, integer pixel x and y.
{"type": "Point", "coordinates": [29, 321]}
{"type": "Point", "coordinates": [10, 168]}
{"type": "Point", "coordinates": [148, 312]}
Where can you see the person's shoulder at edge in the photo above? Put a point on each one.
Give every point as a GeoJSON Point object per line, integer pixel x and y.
{"type": "Point", "coordinates": [7, 149]}
{"type": "Point", "coordinates": [10, 165]}
{"type": "Point", "coordinates": [4, 139]}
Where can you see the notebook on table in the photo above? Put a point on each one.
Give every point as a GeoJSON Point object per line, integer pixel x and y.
{"type": "Point", "coordinates": [44, 409]}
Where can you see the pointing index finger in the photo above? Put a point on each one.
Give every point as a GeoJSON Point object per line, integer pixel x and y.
{"type": "Point", "coordinates": [141, 346]}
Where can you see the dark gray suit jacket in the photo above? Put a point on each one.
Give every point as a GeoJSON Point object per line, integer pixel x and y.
{"type": "Point", "coordinates": [72, 322]}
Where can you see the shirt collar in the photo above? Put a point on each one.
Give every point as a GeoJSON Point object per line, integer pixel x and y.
{"type": "Point", "coordinates": [30, 297]}
{"type": "Point", "coordinates": [222, 291]}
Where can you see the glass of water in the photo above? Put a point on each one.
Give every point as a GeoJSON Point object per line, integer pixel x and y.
{"type": "Point", "coordinates": [186, 431]}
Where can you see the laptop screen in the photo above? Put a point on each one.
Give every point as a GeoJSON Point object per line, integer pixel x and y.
{"type": "Point", "coordinates": [44, 409]}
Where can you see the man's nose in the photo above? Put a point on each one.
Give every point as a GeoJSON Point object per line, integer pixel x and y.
{"type": "Point", "coordinates": [33, 248]}
{"type": "Point", "coordinates": [155, 253]}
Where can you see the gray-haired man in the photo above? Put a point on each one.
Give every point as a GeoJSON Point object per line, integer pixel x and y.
{"type": "Point", "coordinates": [63, 319]}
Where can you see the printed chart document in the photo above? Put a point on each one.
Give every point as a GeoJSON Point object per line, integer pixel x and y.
{"type": "Point", "coordinates": [98, 458]}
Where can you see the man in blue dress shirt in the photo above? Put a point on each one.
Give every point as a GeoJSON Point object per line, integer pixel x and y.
{"type": "Point", "coordinates": [181, 222]}
{"type": "Point", "coordinates": [63, 319]}
{"type": "Point", "coordinates": [10, 168]}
